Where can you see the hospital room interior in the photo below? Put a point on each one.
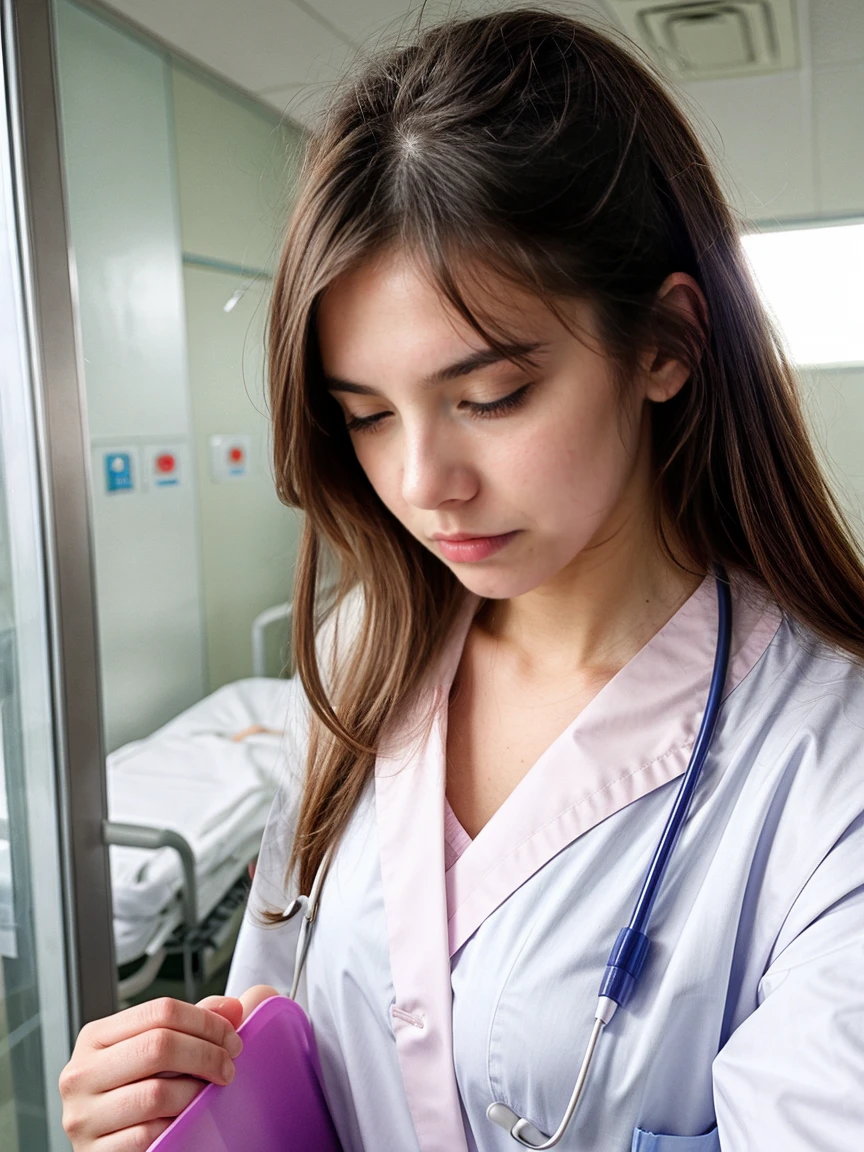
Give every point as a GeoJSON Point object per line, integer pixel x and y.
{"type": "Point", "coordinates": [150, 156]}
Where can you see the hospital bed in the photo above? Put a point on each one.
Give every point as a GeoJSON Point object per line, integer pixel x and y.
{"type": "Point", "coordinates": [186, 810]}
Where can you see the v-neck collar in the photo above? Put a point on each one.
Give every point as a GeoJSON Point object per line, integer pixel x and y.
{"type": "Point", "coordinates": [635, 735]}
{"type": "Point", "coordinates": [632, 737]}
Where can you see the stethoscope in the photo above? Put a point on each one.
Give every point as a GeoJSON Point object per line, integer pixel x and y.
{"type": "Point", "coordinates": [630, 950]}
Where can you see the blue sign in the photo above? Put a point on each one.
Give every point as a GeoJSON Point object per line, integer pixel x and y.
{"type": "Point", "coordinates": [118, 472]}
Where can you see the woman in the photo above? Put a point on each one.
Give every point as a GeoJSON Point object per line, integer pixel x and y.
{"type": "Point", "coordinates": [525, 393]}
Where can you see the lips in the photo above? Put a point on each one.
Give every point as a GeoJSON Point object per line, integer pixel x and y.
{"type": "Point", "coordinates": [464, 548]}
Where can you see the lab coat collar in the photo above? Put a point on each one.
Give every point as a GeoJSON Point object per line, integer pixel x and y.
{"type": "Point", "coordinates": [409, 797]}
{"type": "Point", "coordinates": [634, 736]}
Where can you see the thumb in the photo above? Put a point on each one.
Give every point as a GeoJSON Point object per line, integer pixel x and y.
{"type": "Point", "coordinates": [252, 997]}
{"type": "Point", "coordinates": [228, 1007]}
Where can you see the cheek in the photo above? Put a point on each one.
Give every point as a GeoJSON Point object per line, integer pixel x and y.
{"type": "Point", "coordinates": [574, 463]}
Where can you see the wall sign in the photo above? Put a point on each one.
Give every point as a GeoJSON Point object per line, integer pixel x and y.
{"type": "Point", "coordinates": [230, 457]}
{"type": "Point", "coordinates": [119, 474]}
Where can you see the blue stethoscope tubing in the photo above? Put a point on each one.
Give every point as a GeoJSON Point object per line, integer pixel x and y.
{"type": "Point", "coordinates": [630, 950]}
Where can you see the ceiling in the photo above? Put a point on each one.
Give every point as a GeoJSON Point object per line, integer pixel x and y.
{"type": "Point", "coordinates": [790, 143]}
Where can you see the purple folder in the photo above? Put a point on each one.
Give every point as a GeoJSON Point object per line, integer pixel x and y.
{"type": "Point", "coordinates": [273, 1104]}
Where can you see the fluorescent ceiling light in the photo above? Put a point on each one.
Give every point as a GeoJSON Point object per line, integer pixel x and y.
{"type": "Point", "coordinates": [812, 280]}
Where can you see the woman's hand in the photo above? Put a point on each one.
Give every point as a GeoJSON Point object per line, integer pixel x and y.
{"type": "Point", "coordinates": [132, 1073]}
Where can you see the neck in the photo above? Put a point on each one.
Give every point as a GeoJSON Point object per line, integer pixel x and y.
{"type": "Point", "coordinates": [599, 611]}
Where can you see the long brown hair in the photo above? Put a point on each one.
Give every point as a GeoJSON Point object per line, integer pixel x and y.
{"type": "Point", "coordinates": [533, 146]}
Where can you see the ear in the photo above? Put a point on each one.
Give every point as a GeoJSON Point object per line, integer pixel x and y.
{"type": "Point", "coordinates": [665, 376]}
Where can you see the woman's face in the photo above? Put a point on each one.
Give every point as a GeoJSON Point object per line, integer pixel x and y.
{"type": "Point", "coordinates": [511, 475]}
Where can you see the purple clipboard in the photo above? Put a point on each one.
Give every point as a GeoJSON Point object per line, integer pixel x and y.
{"type": "Point", "coordinates": [274, 1103]}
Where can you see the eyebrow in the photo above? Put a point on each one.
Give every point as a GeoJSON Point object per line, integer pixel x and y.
{"type": "Point", "coordinates": [483, 358]}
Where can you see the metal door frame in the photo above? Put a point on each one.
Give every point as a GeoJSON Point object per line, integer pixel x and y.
{"type": "Point", "coordinates": [61, 431]}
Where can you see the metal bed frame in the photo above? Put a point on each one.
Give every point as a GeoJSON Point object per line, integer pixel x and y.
{"type": "Point", "coordinates": [189, 937]}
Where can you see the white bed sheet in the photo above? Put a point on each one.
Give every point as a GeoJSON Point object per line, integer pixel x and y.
{"type": "Point", "coordinates": [191, 777]}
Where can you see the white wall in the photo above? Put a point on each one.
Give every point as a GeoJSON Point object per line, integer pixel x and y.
{"type": "Point", "coordinates": [235, 176]}
{"type": "Point", "coordinates": [248, 539]}
{"type": "Point", "coordinates": [834, 401]}
{"type": "Point", "coordinates": [124, 225]}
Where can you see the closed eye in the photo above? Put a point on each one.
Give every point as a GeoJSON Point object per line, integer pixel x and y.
{"type": "Point", "coordinates": [361, 423]}
{"type": "Point", "coordinates": [506, 404]}
{"type": "Point", "coordinates": [481, 411]}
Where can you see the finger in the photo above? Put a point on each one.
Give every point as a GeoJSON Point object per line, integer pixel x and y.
{"type": "Point", "coordinates": [252, 997]}
{"type": "Point", "coordinates": [137, 1139]}
{"type": "Point", "coordinates": [228, 1007]}
{"type": "Point", "coordinates": [162, 1013]}
{"type": "Point", "coordinates": [129, 1107]}
{"type": "Point", "coordinates": [151, 1053]}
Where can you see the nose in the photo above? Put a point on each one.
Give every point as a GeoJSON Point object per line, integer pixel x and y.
{"type": "Point", "coordinates": [435, 469]}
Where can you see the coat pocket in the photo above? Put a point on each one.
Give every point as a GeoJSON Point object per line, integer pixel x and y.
{"type": "Point", "coordinates": [648, 1142]}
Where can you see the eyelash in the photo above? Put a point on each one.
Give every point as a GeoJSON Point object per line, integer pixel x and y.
{"type": "Point", "coordinates": [499, 407]}
{"type": "Point", "coordinates": [479, 411]}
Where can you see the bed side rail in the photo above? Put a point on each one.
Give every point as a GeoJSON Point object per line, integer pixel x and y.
{"type": "Point", "coordinates": [259, 638]}
{"type": "Point", "coordinates": [142, 836]}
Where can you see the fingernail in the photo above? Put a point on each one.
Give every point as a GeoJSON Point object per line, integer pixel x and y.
{"type": "Point", "coordinates": [228, 1072]}
{"type": "Point", "coordinates": [233, 1045]}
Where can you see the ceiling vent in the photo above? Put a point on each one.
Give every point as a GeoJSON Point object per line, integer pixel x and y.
{"type": "Point", "coordinates": [713, 39]}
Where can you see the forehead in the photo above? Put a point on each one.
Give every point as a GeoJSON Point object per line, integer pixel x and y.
{"type": "Point", "coordinates": [387, 315]}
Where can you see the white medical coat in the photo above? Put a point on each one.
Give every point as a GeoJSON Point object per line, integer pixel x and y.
{"type": "Point", "coordinates": [433, 993]}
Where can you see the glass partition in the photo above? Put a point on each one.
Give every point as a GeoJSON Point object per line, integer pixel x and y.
{"type": "Point", "coordinates": [34, 1003]}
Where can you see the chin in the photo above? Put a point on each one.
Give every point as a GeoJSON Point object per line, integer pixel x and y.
{"type": "Point", "coordinates": [500, 584]}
